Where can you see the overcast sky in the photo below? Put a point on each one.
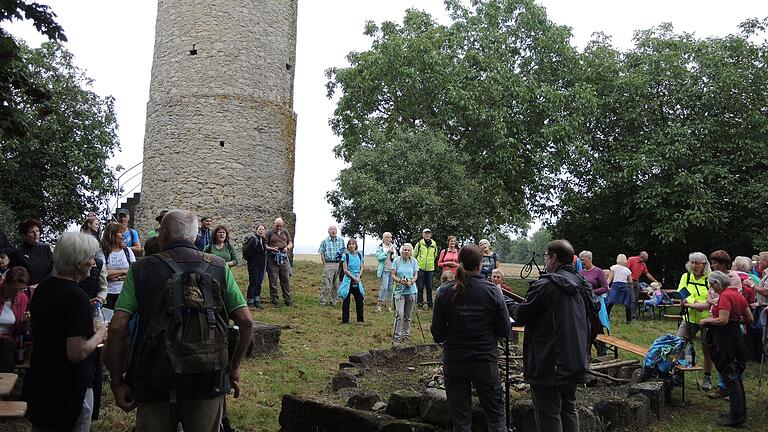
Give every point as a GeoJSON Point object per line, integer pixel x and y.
{"type": "Point", "coordinates": [113, 41]}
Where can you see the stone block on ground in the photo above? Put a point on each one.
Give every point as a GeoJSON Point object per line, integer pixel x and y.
{"type": "Point", "coordinates": [302, 414]}
{"type": "Point", "coordinates": [364, 400]}
{"type": "Point", "coordinates": [521, 415]}
{"type": "Point", "coordinates": [434, 407]}
{"type": "Point", "coordinates": [361, 358]}
{"type": "Point", "coordinates": [639, 410]}
{"type": "Point", "coordinates": [382, 355]}
{"type": "Point", "coordinates": [589, 421]}
{"type": "Point", "coordinates": [345, 365]}
{"type": "Point", "coordinates": [626, 372]}
{"type": "Point", "coordinates": [406, 426]}
{"type": "Point", "coordinates": [404, 349]}
{"type": "Point", "coordinates": [343, 380]}
{"type": "Point", "coordinates": [654, 391]}
{"type": "Point", "coordinates": [404, 403]}
{"type": "Point", "coordinates": [356, 371]}
{"type": "Point", "coordinates": [427, 347]}
{"type": "Point", "coordinates": [379, 406]}
{"type": "Point", "coordinates": [265, 339]}
{"type": "Point", "coordinates": [614, 413]}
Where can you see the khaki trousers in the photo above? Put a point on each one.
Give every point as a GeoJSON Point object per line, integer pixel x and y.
{"type": "Point", "coordinates": [330, 291]}
{"type": "Point", "coordinates": [195, 415]}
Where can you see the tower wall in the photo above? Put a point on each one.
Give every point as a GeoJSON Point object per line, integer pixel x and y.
{"type": "Point", "coordinates": [220, 132]}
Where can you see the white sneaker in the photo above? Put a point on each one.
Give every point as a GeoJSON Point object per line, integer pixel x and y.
{"type": "Point", "coordinates": [378, 307]}
{"type": "Point", "coordinates": [707, 385]}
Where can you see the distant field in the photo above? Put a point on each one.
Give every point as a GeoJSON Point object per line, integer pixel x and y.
{"type": "Point", "coordinates": [511, 271]}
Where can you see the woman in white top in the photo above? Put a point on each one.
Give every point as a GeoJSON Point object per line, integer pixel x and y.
{"type": "Point", "coordinates": [117, 257]}
{"type": "Point", "coordinates": [620, 280]}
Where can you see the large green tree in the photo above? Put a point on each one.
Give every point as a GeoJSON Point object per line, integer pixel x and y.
{"type": "Point", "coordinates": [494, 88]}
{"type": "Point", "coordinates": [676, 152]}
{"type": "Point", "coordinates": [57, 169]}
{"type": "Point", "coordinates": [17, 81]}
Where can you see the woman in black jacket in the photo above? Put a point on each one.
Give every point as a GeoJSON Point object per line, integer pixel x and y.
{"type": "Point", "coordinates": [255, 254]}
{"type": "Point", "coordinates": [469, 316]}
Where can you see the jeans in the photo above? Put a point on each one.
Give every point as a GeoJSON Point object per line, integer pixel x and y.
{"type": "Point", "coordinates": [555, 408]}
{"type": "Point", "coordinates": [385, 291]}
{"type": "Point", "coordinates": [354, 290]}
{"type": "Point", "coordinates": [484, 375]}
{"type": "Point", "coordinates": [256, 271]}
{"type": "Point", "coordinates": [404, 309]}
{"type": "Point", "coordinates": [424, 282]}
{"type": "Point", "coordinates": [734, 385]}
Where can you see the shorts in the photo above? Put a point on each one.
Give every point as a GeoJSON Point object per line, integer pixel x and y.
{"type": "Point", "coordinates": [688, 330]}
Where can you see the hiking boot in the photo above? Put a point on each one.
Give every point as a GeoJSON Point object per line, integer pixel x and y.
{"type": "Point", "coordinates": [707, 385]}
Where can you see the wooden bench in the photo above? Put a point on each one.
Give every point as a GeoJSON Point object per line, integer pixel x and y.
{"type": "Point", "coordinates": [614, 344]}
{"type": "Point", "coordinates": [7, 383]}
{"type": "Point", "coordinates": [682, 370]}
{"type": "Point", "coordinates": [12, 409]}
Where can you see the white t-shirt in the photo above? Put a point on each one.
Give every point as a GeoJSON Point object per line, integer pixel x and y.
{"type": "Point", "coordinates": [116, 261]}
{"type": "Point", "coordinates": [620, 273]}
{"type": "Point", "coordinates": [7, 318]}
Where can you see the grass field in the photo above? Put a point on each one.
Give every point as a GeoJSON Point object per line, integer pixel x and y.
{"type": "Point", "coordinates": [313, 343]}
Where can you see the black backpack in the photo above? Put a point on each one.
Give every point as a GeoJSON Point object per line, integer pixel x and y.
{"type": "Point", "coordinates": [184, 349]}
{"type": "Point", "coordinates": [341, 265]}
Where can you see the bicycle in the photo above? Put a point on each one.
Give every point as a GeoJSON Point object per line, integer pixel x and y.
{"type": "Point", "coordinates": [528, 267]}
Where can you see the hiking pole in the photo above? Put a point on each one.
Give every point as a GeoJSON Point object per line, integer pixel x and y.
{"type": "Point", "coordinates": [506, 380]}
{"type": "Point", "coordinates": [762, 359]}
{"type": "Point", "coordinates": [418, 320]}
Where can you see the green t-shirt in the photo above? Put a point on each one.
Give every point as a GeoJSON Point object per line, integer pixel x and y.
{"type": "Point", "coordinates": [233, 298]}
{"type": "Point", "coordinates": [228, 252]}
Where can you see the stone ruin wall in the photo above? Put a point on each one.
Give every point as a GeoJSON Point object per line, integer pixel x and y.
{"type": "Point", "coordinates": [220, 130]}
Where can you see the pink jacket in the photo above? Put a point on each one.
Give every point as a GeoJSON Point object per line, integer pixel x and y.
{"type": "Point", "coordinates": [19, 307]}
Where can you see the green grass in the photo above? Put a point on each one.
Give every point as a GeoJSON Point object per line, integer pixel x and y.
{"type": "Point", "coordinates": [313, 343]}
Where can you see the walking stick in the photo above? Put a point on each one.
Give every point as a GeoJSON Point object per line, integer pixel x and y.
{"type": "Point", "coordinates": [506, 379]}
{"type": "Point", "coordinates": [762, 357]}
{"type": "Point", "coordinates": [418, 320]}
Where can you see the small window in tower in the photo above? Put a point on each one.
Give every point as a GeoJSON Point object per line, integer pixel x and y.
{"type": "Point", "coordinates": [288, 66]}
{"type": "Point", "coordinates": [193, 51]}
{"type": "Point", "coordinates": [221, 143]}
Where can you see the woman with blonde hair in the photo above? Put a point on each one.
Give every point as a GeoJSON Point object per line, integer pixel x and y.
{"type": "Point", "coordinates": [620, 280]}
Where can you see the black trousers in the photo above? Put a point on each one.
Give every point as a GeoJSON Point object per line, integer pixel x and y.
{"type": "Point", "coordinates": [484, 375]}
{"type": "Point", "coordinates": [424, 283]}
{"type": "Point", "coordinates": [608, 308]}
{"type": "Point", "coordinates": [354, 290]}
{"type": "Point", "coordinates": [256, 271]}
{"type": "Point", "coordinates": [555, 408]}
{"type": "Point", "coordinates": [7, 355]}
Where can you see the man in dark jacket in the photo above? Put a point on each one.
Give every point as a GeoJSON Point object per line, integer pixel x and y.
{"type": "Point", "coordinates": [555, 357]}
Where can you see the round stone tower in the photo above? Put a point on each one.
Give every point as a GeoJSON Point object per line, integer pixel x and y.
{"type": "Point", "coordinates": [220, 132]}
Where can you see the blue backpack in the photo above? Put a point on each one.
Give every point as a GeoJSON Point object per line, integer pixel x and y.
{"type": "Point", "coordinates": [662, 353]}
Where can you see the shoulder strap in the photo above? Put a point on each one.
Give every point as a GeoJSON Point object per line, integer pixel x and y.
{"type": "Point", "coordinates": [127, 255]}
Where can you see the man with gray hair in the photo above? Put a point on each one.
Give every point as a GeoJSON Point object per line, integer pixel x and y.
{"type": "Point", "coordinates": [210, 294]}
{"type": "Point", "coordinates": [331, 249]}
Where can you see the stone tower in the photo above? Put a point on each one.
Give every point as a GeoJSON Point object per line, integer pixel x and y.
{"type": "Point", "coordinates": [220, 131]}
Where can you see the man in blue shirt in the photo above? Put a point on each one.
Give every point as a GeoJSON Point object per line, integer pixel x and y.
{"type": "Point", "coordinates": [130, 236]}
{"type": "Point", "coordinates": [331, 249]}
{"type": "Point", "coordinates": [204, 233]}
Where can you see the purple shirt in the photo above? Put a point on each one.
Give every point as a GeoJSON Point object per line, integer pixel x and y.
{"type": "Point", "coordinates": [596, 278]}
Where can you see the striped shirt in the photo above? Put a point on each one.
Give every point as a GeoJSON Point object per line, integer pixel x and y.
{"type": "Point", "coordinates": [331, 249]}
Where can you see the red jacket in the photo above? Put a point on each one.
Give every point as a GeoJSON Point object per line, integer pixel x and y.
{"type": "Point", "coordinates": [19, 308]}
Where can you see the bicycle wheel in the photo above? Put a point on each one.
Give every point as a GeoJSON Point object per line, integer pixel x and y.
{"type": "Point", "coordinates": [526, 271]}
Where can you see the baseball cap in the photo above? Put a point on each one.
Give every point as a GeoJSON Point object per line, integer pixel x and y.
{"type": "Point", "coordinates": [160, 214]}
{"type": "Point", "coordinates": [122, 211]}
{"type": "Point", "coordinates": [426, 230]}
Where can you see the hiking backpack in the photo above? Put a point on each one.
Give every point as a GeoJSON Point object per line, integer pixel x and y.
{"type": "Point", "coordinates": [184, 348]}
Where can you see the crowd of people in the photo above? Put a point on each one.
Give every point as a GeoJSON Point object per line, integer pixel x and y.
{"type": "Point", "coordinates": [148, 285]}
